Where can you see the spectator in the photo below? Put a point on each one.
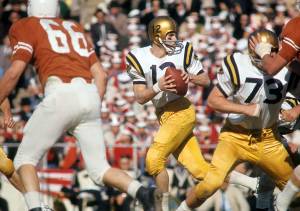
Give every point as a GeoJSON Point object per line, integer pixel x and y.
{"type": "Point", "coordinates": [117, 18]}
{"type": "Point", "coordinates": [5, 53]}
{"type": "Point", "coordinates": [113, 134]}
{"type": "Point", "coordinates": [100, 30]}
{"type": "Point", "coordinates": [227, 198]}
{"type": "Point", "coordinates": [178, 11]}
{"type": "Point", "coordinates": [154, 11]}
{"type": "Point", "coordinates": [26, 109]}
{"type": "Point", "coordinates": [181, 182]}
{"type": "Point", "coordinates": [124, 147]}
{"type": "Point", "coordinates": [13, 13]}
{"type": "Point", "coordinates": [105, 118]}
{"type": "Point", "coordinates": [208, 7]}
{"type": "Point", "coordinates": [121, 200]}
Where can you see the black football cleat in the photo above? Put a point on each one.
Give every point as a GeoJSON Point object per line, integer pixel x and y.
{"type": "Point", "coordinates": [150, 198]}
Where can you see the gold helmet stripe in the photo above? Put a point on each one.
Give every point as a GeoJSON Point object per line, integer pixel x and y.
{"type": "Point", "coordinates": [188, 55]}
{"type": "Point", "coordinates": [135, 63]}
{"type": "Point", "coordinates": [233, 70]}
{"type": "Point", "coordinates": [291, 101]}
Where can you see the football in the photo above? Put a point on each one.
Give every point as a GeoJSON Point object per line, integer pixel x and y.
{"type": "Point", "coordinates": [181, 86]}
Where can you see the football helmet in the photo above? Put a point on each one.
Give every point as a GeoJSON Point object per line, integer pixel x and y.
{"type": "Point", "coordinates": [159, 28]}
{"type": "Point", "coordinates": [262, 35]}
{"type": "Point", "coordinates": [43, 8]}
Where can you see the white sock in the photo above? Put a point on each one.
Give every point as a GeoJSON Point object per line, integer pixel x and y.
{"type": "Point", "coordinates": [165, 201]}
{"type": "Point", "coordinates": [244, 180]}
{"type": "Point", "coordinates": [33, 199]}
{"type": "Point", "coordinates": [183, 207]}
{"type": "Point", "coordinates": [133, 188]}
{"type": "Point", "coordinates": [286, 196]}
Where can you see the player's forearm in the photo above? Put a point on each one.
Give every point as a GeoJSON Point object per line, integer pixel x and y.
{"type": "Point", "coordinates": [268, 65]}
{"type": "Point", "coordinates": [5, 106]}
{"type": "Point", "coordinates": [200, 80]}
{"type": "Point", "coordinates": [144, 96]}
{"type": "Point", "coordinates": [223, 105]}
{"type": "Point", "coordinates": [272, 64]}
{"type": "Point", "coordinates": [7, 84]}
{"type": "Point", "coordinates": [100, 78]}
{"type": "Point", "coordinates": [10, 78]}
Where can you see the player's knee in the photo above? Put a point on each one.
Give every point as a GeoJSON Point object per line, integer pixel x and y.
{"type": "Point", "coordinates": [198, 171]}
{"type": "Point", "coordinates": [7, 167]}
{"type": "Point", "coordinates": [154, 162]}
{"type": "Point", "coordinates": [98, 175]}
{"type": "Point", "coordinates": [20, 161]}
{"type": "Point", "coordinates": [208, 186]}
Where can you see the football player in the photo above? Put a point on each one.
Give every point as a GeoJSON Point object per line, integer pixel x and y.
{"type": "Point", "coordinates": [176, 114]}
{"type": "Point", "coordinates": [290, 47]}
{"type": "Point", "coordinates": [255, 139]}
{"type": "Point", "coordinates": [284, 198]}
{"type": "Point", "coordinates": [74, 84]}
{"type": "Point", "coordinates": [265, 190]}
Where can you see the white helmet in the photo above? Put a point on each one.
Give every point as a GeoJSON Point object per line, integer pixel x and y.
{"type": "Point", "coordinates": [43, 8]}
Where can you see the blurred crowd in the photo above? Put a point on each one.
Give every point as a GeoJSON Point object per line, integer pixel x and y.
{"type": "Point", "coordinates": [214, 27]}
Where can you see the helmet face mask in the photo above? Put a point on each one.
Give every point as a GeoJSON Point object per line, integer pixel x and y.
{"type": "Point", "coordinates": [159, 29]}
{"type": "Point", "coordinates": [43, 8]}
{"type": "Point", "coordinates": [266, 36]}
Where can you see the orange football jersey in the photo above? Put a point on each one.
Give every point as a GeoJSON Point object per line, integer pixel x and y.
{"type": "Point", "coordinates": [290, 40]}
{"type": "Point", "coordinates": [56, 48]}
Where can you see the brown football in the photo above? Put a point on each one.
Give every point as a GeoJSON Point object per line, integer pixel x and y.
{"type": "Point", "coordinates": [181, 86]}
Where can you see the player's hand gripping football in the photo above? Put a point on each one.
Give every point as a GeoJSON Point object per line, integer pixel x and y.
{"type": "Point", "coordinates": [166, 83]}
{"type": "Point", "coordinates": [289, 115]}
{"type": "Point", "coordinates": [185, 77]}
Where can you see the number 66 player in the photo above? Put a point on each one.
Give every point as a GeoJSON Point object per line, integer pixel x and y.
{"type": "Point", "coordinates": [66, 65]}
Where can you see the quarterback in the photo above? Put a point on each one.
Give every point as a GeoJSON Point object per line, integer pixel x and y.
{"type": "Point", "coordinates": [246, 138]}
{"type": "Point", "coordinates": [74, 84]}
{"type": "Point", "coordinates": [146, 66]}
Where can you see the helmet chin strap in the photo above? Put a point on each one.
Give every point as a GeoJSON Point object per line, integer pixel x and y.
{"type": "Point", "coordinates": [169, 50]}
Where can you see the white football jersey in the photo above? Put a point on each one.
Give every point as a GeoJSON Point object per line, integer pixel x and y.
{"type": "Point", "coordinates": [144, 68]}
{"type": "Point", "coordinates": [240, 80]}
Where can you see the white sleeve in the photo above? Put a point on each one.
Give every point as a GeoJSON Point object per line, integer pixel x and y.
{"type": "Point", "coordinates": [191, 61]}
{"type": "Point", "coordinates": [134, 70]}
{"type": "Point", "coordinates": [225, 84]}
